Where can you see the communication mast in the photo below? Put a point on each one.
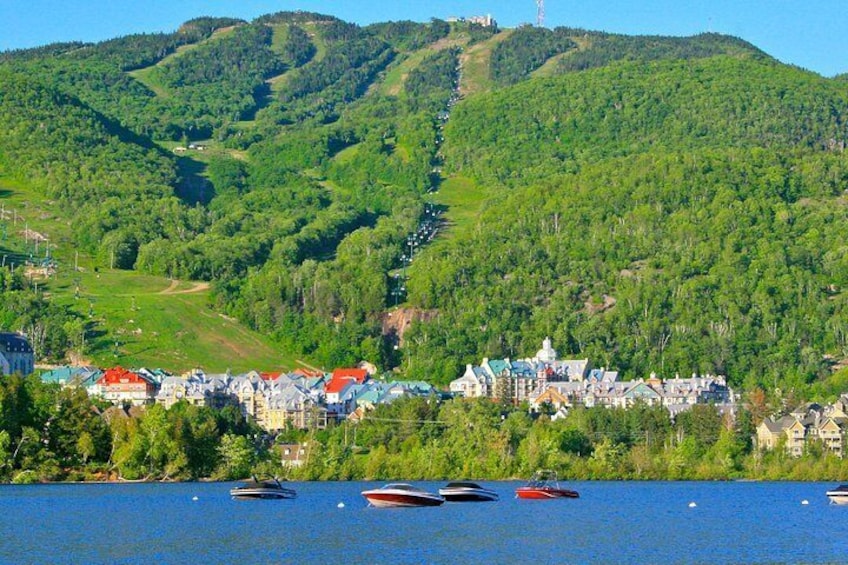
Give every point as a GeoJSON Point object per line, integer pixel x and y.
{"type": "Point", "coordinates": [540, 13]}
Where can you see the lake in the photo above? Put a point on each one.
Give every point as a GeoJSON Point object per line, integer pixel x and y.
{"type": "Point", "coordinates": [612, 522]}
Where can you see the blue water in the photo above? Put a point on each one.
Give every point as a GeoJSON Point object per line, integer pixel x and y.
{"type": "Point", "coordinates": [612, 522]}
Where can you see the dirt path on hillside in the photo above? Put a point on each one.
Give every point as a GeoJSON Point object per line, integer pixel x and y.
{"type": "Point", "coordinates": [172, 288]}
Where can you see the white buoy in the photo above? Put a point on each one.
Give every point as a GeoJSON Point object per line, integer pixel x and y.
{"type": "Point", "coordinates": [805, 502]}
{"type": "Point", "coordinates": [194, 498]}
{"type": "Point", "coordinates": [692, 505]}
{"type": "Point", "coordinates": [340, 505]}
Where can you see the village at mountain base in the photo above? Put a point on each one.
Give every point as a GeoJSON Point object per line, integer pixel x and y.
{"type": "Point", "coordinates": [309, 399]}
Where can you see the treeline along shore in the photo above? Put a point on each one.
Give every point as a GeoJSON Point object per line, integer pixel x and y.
{"type": "Point", "coordinates": [49, 433]}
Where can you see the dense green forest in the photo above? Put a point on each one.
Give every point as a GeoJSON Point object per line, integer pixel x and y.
{"type": "Point", "coordinates": [602, 49]}
{"type": "Point", "coordinates": [659, 204]}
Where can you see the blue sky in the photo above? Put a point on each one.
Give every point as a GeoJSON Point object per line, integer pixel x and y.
{"type": "Point", "coordinates": [809, 33]}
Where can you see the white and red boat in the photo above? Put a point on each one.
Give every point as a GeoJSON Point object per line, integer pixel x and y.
{"type": "Point", "coordinates": [544, 485]}
{"type": "Point", "coordinates": [401, 495]}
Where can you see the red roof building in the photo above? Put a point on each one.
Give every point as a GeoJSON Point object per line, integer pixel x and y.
{"type": "Point", "coordinates": [121, 386]}
{"type": "Point", "coordinates": [358, 375]}
{"type": "Point", "coordinates": [341, 379]}
{"type": "Point", "coordinates": [337, 386]}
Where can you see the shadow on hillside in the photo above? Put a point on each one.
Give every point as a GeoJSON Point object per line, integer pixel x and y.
{"type": "Point", "coordinates": [193, 188]}
{"type": "Point", "coordinates": [262, 97]}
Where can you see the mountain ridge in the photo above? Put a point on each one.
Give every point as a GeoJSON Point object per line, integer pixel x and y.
{"type": "Point", "coordinates": [308, 248]}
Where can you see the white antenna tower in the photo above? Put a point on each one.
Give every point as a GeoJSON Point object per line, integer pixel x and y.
{"type": "Point", "coordinates": [540, 13]}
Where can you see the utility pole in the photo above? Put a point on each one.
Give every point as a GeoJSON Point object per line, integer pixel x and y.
{"type": "Point", "coordinates": [540, 13]}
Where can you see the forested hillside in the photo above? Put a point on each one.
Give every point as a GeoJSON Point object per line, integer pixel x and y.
{"type": "Point", "coordinates": [673, 217]}
{"type": "Point", "coordinates": [673, 205]}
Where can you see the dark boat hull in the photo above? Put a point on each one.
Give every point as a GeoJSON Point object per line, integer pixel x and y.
{"type": "Point", "coordinates": [259, 493]}
{"type": "Point", "coordinates": [468, 495]}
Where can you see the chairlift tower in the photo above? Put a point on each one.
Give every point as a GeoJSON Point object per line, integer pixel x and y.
{"type": "Point", "coordinates": [540, 13]}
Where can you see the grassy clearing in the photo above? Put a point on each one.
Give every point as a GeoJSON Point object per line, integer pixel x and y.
{"type": "Point", "coordinates": [154, 321]}
{"type": "Point", "coordinates": [475, 65]}
{"type": "Point", "coordinates": [464, 200]}
{"type": "Point", "coordinates": [142, 320]}
{"type": "Point", "coordinates": [147, 77]}
{"type": "Point", "coordinates": [397, 72]}
{"type": "Point", "coordinates": [278, 83]}
{"type": "Point", "coordinates": [281, 33]}
{"type": "Point", "coordinates": [347, 154]}
{"type": "Point", "coordinates": [550, 68]}
{"type": "Point", "coordinates": [278, 40]}
{"type": "Point", "coordinates": [23, 208]}
{"type": "Point", "coordinates": [317, 40]}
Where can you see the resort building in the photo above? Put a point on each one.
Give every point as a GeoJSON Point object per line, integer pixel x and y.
{"type": "Point", "coordinates": [808, 423]}
{"type": "Point", "coordinates": [545, 380]}
{"type": "Point", "coordinates": [122, 386]}
{"type": "Point", "coordinates": [16, 354]}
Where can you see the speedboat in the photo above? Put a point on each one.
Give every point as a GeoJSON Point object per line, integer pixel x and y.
{"type": "Point", "coordinates": [467, 492]}
{"type": "Point", "coordinates": [398, 495]}
{"type": "Point", "coordinates": [544, 485]}
{"type": "Point", "coordinates": [839, 495]}
{"type": "Point", "coordinates": [267, 489]}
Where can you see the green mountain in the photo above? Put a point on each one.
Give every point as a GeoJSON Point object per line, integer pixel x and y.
{"type": "Point", "coordinates": [658, 204]}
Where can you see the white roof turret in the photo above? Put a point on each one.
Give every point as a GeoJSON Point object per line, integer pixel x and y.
{"type": "Point", "coordinates": [547, 354]}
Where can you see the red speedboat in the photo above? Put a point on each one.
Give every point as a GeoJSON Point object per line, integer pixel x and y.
{"type": "Point", "coordinates": [399, 495]}
{"type": "Point", "coordinates": [544, 485]}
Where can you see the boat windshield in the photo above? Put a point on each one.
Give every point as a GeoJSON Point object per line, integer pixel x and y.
{"type": "Point", "coordinates": [401, 486]}
{"type": "Point", "coordinates": [543, 478]}
{"type": "Point", "coordinates": [463, 485]}
{"type": "Point", "coordinates": [264, 483]}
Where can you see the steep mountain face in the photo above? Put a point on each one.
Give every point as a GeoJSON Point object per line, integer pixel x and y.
{"type": "Point", "coordinates": [657, 204]}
